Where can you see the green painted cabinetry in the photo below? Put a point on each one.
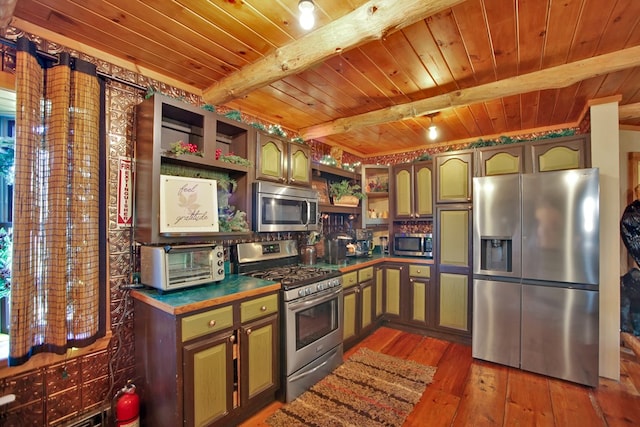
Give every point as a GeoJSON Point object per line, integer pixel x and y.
{"type": "Point", "coordinates": [210, 367]}
{"type": "Point", "coordinates": [454, 266]}
{"type": "Point", "coordinates": [412, 189]}
{"type": "Point", "coordinates": [360, 312]}
{"type": "Point", "coordinates": [282, 161]}
{"type": "Point", "coordinates": [454, 173]}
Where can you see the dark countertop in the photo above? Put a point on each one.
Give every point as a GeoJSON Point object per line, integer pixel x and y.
{"type": "Point", "coordinates": [353, 263]}
{"type": "Point", "coordinates": [235, 287]}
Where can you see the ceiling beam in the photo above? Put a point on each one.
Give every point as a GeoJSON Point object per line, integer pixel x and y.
{"type": "Point", "coordinates": [371, 21]}
{"type": "Point", "coordinates": [551, 78]}
{"type": "Point", "coordinates": [629, 111]}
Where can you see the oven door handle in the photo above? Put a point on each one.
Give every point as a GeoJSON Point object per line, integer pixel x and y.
{"type": "Point", "coordinates": [312, 299]}
{"type": "Point", "coordinates": [305, 373]}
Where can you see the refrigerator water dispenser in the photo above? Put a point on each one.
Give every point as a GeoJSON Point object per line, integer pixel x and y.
{"type": "Point", "coordinates": [496, 254]}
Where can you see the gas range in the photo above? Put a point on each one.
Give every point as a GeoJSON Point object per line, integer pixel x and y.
{"type": "Point", "coordinates": [279, 261]}
{"type": "Point", "coordinates": [311, 311]}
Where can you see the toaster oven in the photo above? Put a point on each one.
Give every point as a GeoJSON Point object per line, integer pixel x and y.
{"type": "Point", "coordinates": [172, 267]}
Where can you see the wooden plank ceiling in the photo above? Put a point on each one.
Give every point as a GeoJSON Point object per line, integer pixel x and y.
{"type": "Point", "coordinates": [372, 96]}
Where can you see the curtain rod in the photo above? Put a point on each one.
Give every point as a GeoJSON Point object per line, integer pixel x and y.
{"type": "Point", "coordinates": [54, 58]}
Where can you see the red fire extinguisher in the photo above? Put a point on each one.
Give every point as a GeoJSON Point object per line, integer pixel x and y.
{"type": "Point", "coordinates": [127, 407]}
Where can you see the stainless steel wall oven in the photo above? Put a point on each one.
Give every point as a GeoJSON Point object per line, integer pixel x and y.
{"type": "Point", "coordinates": [311, 311]}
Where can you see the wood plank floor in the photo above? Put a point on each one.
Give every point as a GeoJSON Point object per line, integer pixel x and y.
{"type": "Point", "coordinates": [468, 392]}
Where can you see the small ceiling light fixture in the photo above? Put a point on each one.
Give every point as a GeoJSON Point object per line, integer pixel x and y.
{"type": "Point", "coordinates": [433, 130]}
{"type": "Point", "coordinates": [307, 18]}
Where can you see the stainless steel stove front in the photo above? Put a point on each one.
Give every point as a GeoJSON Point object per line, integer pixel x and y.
{"type": "Point", "coordinates": [313, 329]}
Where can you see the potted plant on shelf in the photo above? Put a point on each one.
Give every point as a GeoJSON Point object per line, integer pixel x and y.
{"type": "Point", "coordinates": [345, 193]}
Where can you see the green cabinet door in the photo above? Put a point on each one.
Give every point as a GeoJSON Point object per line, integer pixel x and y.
{"type": "Point", "coordinates": [270, 160]}
{"type": "Point", "coordinates": [350, 308]}
{"type": "Point", "coordinates": [259, 357]}
{"type": "Point", "coordinates": [454, 173]}
{"type": "Point", "coordinates": [378, 283]}
{"type": "Point", "coordinates": [208, 380]}
{"type": "Point", "coordinates": [403, 192]}
{"type": "Point", "coordinates": [366, 304]}
{"type": "Point", "coordinates": [454, 236]}
{"type": "Point", "coordinates": [423, 190]}
{"type": "Point", "coordinates": [299, 164]}
{"type": "Point", "coordinates": [454, 301]}
{"type": "Point", "coordinates": [392, 290]}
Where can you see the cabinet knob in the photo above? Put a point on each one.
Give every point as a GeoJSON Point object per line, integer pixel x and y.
{"type": "Point", "coordinates": [232, 338]}
{"type": "Point", "coordinates": [292, 180]}
{"type": "Point", "coordinates": [249, 331]}
{"type": "Point", "coordinates": [357, 290]}
{"type": "Point", "coordinates": [212, 323]}
{"type": "Point", "coordinates": [263, 308]}
{"type": "Point", "coordinates": [419, 271]}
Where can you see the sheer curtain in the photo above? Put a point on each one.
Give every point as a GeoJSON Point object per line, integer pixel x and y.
{"type": "Point", "coordinates": [56, 273]}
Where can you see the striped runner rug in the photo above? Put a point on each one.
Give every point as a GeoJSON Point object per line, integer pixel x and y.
{"type": "Point", "coordinates": [368, 389]}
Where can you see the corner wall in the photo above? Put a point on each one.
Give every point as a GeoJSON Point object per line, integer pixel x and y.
{"type": "Point", "coordinates": [605, 155]}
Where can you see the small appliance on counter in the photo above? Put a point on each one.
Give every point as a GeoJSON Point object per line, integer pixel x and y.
{"type": "Point", "coordinates": [335, 248]}
{"type": "Point", "coordinates": [384, 245]}
{"type": "Point", "coordinates": [172, 267]}
{"type": "Point", "coordinates": [363, 243]}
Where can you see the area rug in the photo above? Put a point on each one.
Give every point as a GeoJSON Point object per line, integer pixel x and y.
{"type": "Point", "coordinates": [368, 389]}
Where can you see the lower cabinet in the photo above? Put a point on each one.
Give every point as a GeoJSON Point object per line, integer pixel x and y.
{"type": "Point", "coordinates": [360, 305]}
{"type": "Point", "coordinates": [208, 368]}
{"type": "Point", "coordinates": [394, 278]}
{"type": "Point", "coordinates": [421, 296]}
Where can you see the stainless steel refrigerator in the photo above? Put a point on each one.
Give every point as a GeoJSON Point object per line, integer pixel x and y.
{"type": "Point", "coordinates": [536, 272]}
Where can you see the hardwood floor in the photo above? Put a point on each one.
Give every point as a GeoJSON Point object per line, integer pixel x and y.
{"type": "Point", "coordinates": [468, 392]}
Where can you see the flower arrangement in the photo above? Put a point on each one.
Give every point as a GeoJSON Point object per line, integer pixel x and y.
{"type": "Point", "coordinates": [181, 147]}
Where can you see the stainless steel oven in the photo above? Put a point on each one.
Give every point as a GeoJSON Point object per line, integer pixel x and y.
{"type": "Point", "coordinates": [311, 311]}
{"type": "Point", "coordinates": [313, 334]}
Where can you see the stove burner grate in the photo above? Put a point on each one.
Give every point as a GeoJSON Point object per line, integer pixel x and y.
{"type": "Point", "coordinates": [295, 275]}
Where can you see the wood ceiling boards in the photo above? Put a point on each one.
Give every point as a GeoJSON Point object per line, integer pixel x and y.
{"type": "Point", "coordinates": [367, 90]}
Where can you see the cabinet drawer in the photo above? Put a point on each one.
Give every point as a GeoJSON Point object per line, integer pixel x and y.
{"type": "Point", "coordinates": [207, 322]}
{"type": "Point", "coordinates": [365, 274]}
{"type": "Point", "coordinates": [419, 271]}
{"type": "Point", "coordinates": [349, 279]}
{"type": "Point", "coordinates": [258, 307]}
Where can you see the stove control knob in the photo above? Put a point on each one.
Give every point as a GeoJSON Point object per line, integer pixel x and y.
{"type": "Point", "coordinates": [301, 292]}
{"type": "Point", "coordinates": [320, 286]}
{"type": "Point", "coordinates": [307, 291]}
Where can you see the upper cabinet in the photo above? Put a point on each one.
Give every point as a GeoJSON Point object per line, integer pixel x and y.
{"type": "Point", "coordinates": [161, 122]}
{"type": "Point", "coordinates": [501, 160]}
{"type": "Point", "coordinates": [561, 153]}
{"type": "Point", "coordinates": [454, 173]}
{"type": "Point", "coordinates": [412, 191]}
{"type": "Point", "coordinates": [282, 161]}
{"type": "Point", "coordinates": [375, 205]}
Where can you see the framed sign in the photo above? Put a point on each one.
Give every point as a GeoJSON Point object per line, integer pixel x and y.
{"type": "Point", "coordinates": [188, 205]}
{"type": "Point", "coordinates": [321, 186]}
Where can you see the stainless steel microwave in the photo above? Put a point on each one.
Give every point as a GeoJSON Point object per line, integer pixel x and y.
{"type": "Point", "coordinates": [285, 208]}
{"type": "Point", "coordinates": [413, 244]}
